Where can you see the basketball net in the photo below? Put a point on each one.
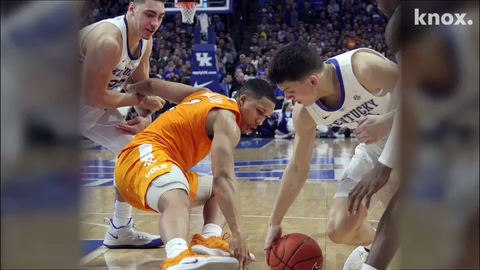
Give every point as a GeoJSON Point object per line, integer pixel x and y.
{"type": "Point", "coordinates": [203, 19]}
{"type": "Point", "coordinates": [188, 11]}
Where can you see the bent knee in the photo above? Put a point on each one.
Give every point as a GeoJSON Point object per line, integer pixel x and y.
{"type": "Point", "coordinates": [174, 198]}
{"type": "Point", "coordinates": [341, 226]}
{"type": "Point", "coordinates": [338, 233]}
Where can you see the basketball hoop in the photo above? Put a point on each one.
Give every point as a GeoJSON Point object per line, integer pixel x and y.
{"type": "Point", "coordinates": [188, 11]}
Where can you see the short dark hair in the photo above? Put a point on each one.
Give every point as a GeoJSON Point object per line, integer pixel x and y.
{"type": "Point", "coordinates": [294, 62]}
{"type": "Point", "coordinates": [257, 88]}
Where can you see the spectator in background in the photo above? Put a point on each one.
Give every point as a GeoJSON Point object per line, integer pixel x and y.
{"type": "Point", "coordinates": [226, 85]}
{"type": "Point", "coordinates": [285, 128]}
{"type": "Point", "coordinates": [238, 82]}
{"type": "Point", "coordinates": [280, 96]}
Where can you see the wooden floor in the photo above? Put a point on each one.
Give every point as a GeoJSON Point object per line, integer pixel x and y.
{"type": "Point", "coordinates": [259, 165]}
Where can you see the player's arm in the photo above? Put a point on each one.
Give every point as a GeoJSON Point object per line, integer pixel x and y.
{"type": "Point", "coordinates": [103, 54]}
{"type": "Point", "coordinates": [374, 72]}
{"type": "Point", "coordinates": [298, 168]}
{"type": "Point", "coordinates": [171, 91]}
{"type": "Point", "coordinates": [142, 72]}
{"type": "Point", "coordinates": [225, 187]}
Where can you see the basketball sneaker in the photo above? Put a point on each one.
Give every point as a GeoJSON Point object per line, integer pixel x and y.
{"type": "Point", "coordinates": [356, 259]}
{"type": "Point", "coordinates": [214, 245]}
{"type": "Point", "coordinates": [188, 260]}
{"type": "Point", "coordinates": [128, 237]}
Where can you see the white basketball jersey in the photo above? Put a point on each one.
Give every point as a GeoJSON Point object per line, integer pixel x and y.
{"type": "Point", "coordinates": [355, 101]}
{"type": "Point", "coordinates": [127, 63]}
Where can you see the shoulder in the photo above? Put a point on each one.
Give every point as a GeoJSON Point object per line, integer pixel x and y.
{"type": "Point", "coordinates": [370, 66]}
{"type": "Point", "coordinates": [105, 37]}
{"type": "Point", "coordinates": [221, 115]}
{"type": "Point", "coordinates": [302, 120]}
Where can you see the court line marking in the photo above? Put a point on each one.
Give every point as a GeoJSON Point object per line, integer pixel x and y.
{"type": "Point", "coordinates": [94, 254]}
{"type": "Point", "coordinates": [201, 215]}
{"type": "Point", "coordinates": [96, 224]}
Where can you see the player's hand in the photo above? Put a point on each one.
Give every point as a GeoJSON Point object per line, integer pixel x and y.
{"type": "Point", "coordinates": [274, 233]}
{"type": "Point", "coordinates": [134, 125]}
{"type": "Point", "coordinates": [369, 185]}
{"type": "Point", "coordinates": [152, 103]}
{"type": "Point", "coordinates": [239, 250]}
{"type": "Point", "coordinates": [373, 128]}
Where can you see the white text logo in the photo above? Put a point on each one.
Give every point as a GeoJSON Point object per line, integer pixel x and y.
{"type": "Point", "coordinates": [204, 60]}
{"type": "Point", "coordinates": [441, 19]}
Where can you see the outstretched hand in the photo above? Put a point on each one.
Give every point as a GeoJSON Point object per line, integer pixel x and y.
{"type": "Point", "coordinates": [134, 126]}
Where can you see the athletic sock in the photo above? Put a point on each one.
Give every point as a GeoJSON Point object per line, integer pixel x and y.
{"type": "Point", "coordinates": [211, 229]}
{"type": "Point", "coordinates": [122, 212]}
{"type": "Point", "coordinates": [175, 247]}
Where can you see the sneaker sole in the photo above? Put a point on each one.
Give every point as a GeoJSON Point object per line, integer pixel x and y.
{"type": "Point", "coordinates": [156, 243]}
{"type": "Point", "coordinates": [219, 263]}
{"type": "Point", "coordinates": [203, 250]}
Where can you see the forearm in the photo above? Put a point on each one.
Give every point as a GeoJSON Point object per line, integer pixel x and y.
{"type": "Point", "coordinates": [291, 184]}
{"type": "Point", "coordinates": [385, 243]}
{"type": "Point", "coordinates": [113, 99]}
{"type": "Point", "coordinates": [390, 151]}
{"type": "Point", "coordinates": [171, 91]}
{"type": "Point", "coordinates": [227, 196]}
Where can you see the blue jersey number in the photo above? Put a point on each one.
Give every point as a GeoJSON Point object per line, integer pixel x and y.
{"type": "Point", "coordinates": [115, 83]}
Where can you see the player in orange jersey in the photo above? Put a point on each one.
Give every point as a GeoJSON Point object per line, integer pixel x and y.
{"type": "Point", "coordinates": [152, 170]}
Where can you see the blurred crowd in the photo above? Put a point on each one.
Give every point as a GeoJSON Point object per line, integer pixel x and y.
{"type": "Point", "coordinates": [331, 27]}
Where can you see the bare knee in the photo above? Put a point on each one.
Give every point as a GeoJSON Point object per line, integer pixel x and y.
{"type": "Point", "coordinates": [175, 198]}
{"type": "Point", "coordinates": [342, 226]}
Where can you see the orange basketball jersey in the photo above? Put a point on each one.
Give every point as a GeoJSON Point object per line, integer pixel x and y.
{"type": "Point", "coordinates": [177, 136]}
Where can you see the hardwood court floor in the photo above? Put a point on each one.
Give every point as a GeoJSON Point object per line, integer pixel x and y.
{"type": "Point", "coordinates": [259, 165]}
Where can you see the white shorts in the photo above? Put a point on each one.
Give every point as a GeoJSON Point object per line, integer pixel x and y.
{"type": "Point", "coordinates": [98, 125]}
{"type": "Point", "coordinates": [362, 162]}
{"type": "Point", "coordinates": [175, 179]}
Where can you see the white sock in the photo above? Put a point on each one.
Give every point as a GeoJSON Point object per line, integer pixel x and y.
{"type": "Point", "coordinates": [122, 212]}
{"type": "Point", "coordinates": [175, 247]}
{"type": "Point", "coordinates": [211, 229]}
{"type": "Point", "coordinates": [368, 267]}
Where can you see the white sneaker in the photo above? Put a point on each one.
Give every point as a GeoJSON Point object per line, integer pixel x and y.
{"type": "Point", "coordinates": [356, 259]}
{"type": "Point", "coordinates": [188, 260]}
{"type": "Point", "coordinates": [128, 237]}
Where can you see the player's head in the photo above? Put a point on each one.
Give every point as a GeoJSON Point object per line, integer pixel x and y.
{"type": "Point", "coordinates": [146, 16]}
{"type": "Point", "coordinates": [256, 100]}
{"type": "Point", "coordinates": [296, 69]}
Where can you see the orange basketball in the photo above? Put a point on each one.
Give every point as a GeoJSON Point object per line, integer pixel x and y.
{"type": "Point", "coordinates": [296, 251]}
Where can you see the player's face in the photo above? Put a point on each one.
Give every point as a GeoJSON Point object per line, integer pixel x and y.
{"type": "Point", "coordinates": [147, 17]}
{"type": "Point", "coordinates": [254, 111]}
{"type": "Point", "coordinates": [303, 92]}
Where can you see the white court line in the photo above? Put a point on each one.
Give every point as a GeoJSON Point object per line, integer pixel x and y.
{"type": "Point", "coordinates": [200, 215]}
{"type": "Point", "coordinates": [96, 224]}
{"type": "Point", "coordinates": [94, 254]}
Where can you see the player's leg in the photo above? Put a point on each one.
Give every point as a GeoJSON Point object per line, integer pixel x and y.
{"type": "Point", "coordinates": [169, 194]}
{"type": "Point", "coordinates": [385, 244]}
{"type": "Point", "coordinates": [99, 126]}
{"type": "Point", "coordinates": [348, 228]}
{"type": "Point", "coordinates": [210, 242]}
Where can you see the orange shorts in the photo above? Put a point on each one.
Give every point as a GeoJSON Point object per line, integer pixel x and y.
{"type": "Point", "coordinates": [137, 167]}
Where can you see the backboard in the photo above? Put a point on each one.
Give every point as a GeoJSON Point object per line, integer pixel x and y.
{"type": "Point", "coordinates": [205, 6]}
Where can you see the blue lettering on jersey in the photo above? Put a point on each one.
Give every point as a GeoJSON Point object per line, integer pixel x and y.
{"type": "Point", "coordinates": [122, 72]}
{"type": "Point", "coordinates": [127, 72]}
{"type": "Point", "coordinates": [357, 113]}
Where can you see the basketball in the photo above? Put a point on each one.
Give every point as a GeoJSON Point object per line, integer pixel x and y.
{"type": "Point", "coordinates": [296, 251]}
